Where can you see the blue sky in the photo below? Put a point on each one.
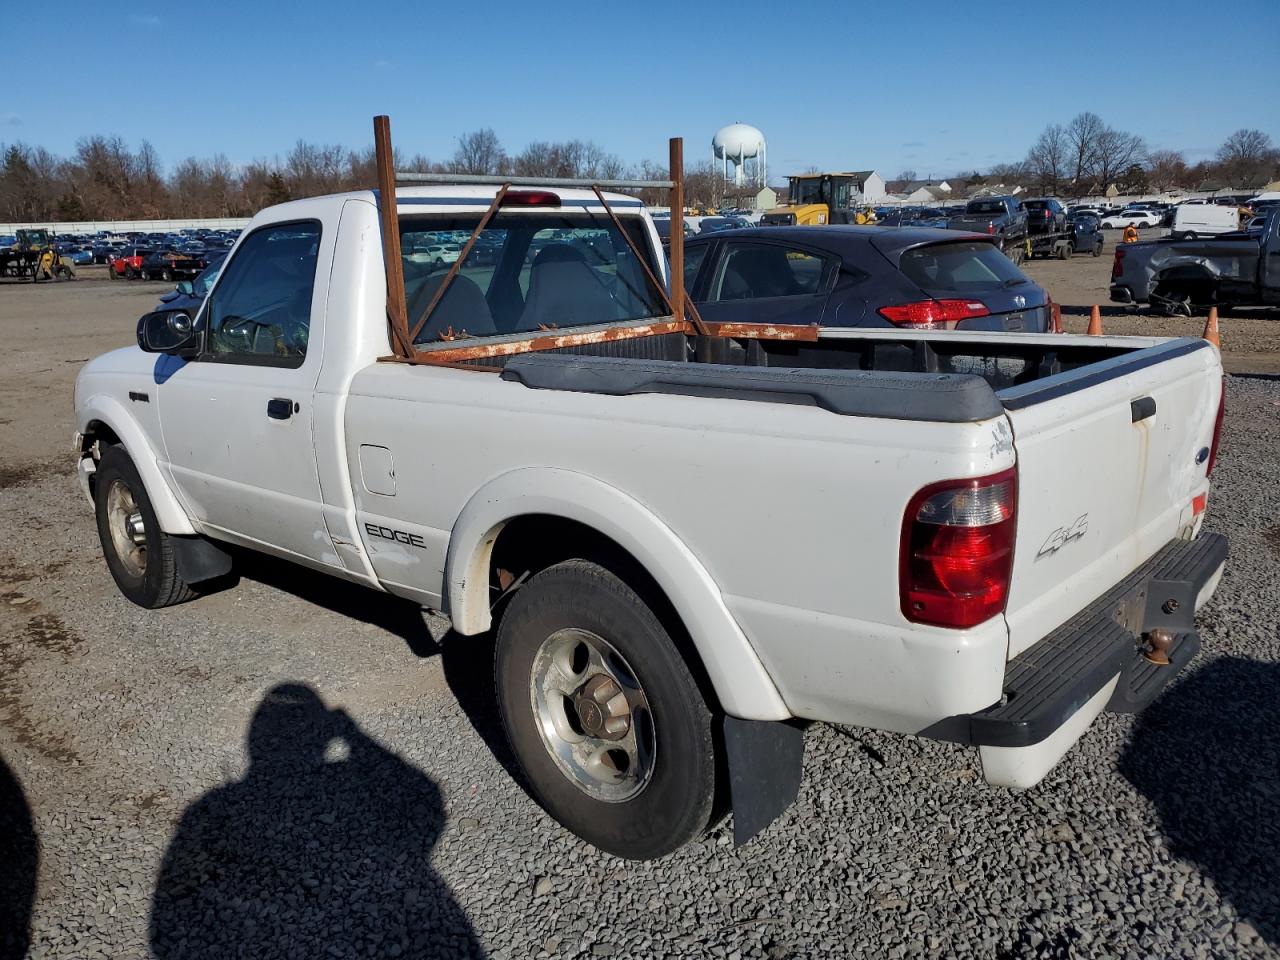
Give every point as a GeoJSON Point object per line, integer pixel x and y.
{"type": "Point", "coordinates": [935, 87]}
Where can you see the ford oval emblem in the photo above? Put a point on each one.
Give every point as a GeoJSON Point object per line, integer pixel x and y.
{"type": "Point", "coordinates": [1019, 301]}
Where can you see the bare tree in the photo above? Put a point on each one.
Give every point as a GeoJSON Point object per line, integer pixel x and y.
{"type": "Point", "coordinates": [907, 175]}
{"type": "Point", "coordinates": [479, 152]}
{"type": "Point", "coordinates": [1082, 136]}
{"type": "Point", "coordinates": [1247, 156]}
{"type": "Point", "coordinates": [1116, 152]}
{"type": "Point", "coordinates": [1048, 157]}
{"type": "Point", "coordinates": [1166, 170]}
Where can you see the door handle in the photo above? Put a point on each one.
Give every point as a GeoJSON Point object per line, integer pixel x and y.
{"type": "Point", "coordinates": [280, 408]}
{"type": "Point", "coordinates": [1142, 408]}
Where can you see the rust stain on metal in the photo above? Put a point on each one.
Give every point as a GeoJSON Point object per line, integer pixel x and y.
{"type": "Point", "coordinates": [763, 331]}
{"type": "Point", "coordinates": [482, 350]}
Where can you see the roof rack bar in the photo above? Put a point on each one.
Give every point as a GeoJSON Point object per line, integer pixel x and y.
{"type": "Point", "coordinates": [475, 179]}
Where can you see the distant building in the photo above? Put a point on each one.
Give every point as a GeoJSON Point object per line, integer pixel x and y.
{"type": "Point", "coordinates": [870, 184]}
{"type": "Point", "coordinates": [766, 199]}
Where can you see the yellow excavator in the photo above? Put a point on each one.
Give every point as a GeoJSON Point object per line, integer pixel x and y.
{"type": "Point", "coordinates": [816, 198]}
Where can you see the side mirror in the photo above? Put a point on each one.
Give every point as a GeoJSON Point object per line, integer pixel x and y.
{"type": "Point", "coordinates": [185, 287]}
{"type": "Point", "coordinates": [169, 331]}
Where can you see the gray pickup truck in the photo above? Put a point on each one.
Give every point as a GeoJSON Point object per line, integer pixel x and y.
{"type": "Point", "coordinates": [1003, 217]}
{"type": "Point", "coordinates": [1236, 269]}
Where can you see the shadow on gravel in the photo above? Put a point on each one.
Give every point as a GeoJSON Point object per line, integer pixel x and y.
{"type": "Point", "coordinates": [308, 856]}
{"type": "Point", "coordinates": [19, 861]}
{"type": "Point", "coordinates": [468, 669]}
{"type": "Point", "coordinates": [399, 616]}
{"type": "Point", "coordinates": [1207, 754]}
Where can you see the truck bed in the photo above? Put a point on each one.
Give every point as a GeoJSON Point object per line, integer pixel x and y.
{"type": "Point", "coordinates": [902, 374]}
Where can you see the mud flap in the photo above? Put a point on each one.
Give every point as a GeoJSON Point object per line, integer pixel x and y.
{"type": "Point", "coordinates": [765, 766]}
{"type": "Point", "coordinates": [199, 559]}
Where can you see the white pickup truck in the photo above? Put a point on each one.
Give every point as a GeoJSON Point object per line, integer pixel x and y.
{"type": "Point", "coordinates": [689, 540]}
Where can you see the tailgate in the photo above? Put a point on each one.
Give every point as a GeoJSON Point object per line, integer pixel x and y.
{"type": "Point", "coordinates": [1109, 459]}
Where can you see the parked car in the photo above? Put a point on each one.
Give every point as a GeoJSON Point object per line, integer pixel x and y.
{"type": "Point", "coordinates": [126, 264]}
{"type": "Point", "coordinates": [168, 265]}
{"type": "Point", "coordinates": [1002, 217]}
{"type": "Point", "coordinates": [716, 224]}
{"type": "Point", "coordinates": [436, 254]}
{"type": "Point", "coordinates": [848, 276]}
{"type": "Point", "coordinates": [188, 295]}
{"type": "Point", "coordinates": [1203, 220]}
{"type": "Point", "coordinates": [967, 537]}
{"type": "Point", "coordinates": [663, 226]}
{"type": "Point", "coordinates": [1240, 269]}
{"type": "Point", "coordinates": [82, 256]}
{"type": "Point", "coordinates": [1086, 234]}
{"type": "Point", "coordinates": [1139, 218]}
{"type": "Point", "coordinates": [1045, 215]}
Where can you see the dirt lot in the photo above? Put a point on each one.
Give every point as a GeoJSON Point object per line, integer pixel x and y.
{"type": "Point", "coordinates": [296, 768]}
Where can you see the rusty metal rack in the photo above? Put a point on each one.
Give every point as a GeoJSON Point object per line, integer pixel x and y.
{"type": "Point", "coordinates": [683, 318]}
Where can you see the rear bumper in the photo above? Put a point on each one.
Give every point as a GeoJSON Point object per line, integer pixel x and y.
{"type": "Point", "coordinates": [1051, 683]}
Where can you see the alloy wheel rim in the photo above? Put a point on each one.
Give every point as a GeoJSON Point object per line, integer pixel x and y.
{"type": "Point", "coordinates": [593, 715]}
{"type": "Point", "coordinates": [128, 530]}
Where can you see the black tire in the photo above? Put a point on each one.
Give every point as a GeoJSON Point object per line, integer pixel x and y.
{"type": "Point", "coordinates": [1097, 249]}
{"type": "Point", "coordinates": [158, 583]}
{"type": "Point", "coordinates": [675, 804]}
{"type": "Point", "coordinates": [1064, 251]}
{"type": "Point", "coordinates": [130, 273]}
{"type": "Point", "coordinates": [111, 273]}
{"type": "Point", "coordinates": [166, 275]}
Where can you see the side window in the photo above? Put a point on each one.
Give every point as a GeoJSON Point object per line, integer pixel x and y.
{"type": "Point", "coordinates": [751, 271]}
{"type": "Point", "coordinates": [260, 312]}
{"type": "Point", "coordinates": [693, 257]}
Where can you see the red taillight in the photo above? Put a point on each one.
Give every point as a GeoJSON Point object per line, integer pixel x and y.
{"type": "Point", "coordinates": [930, 312]}
{"type": "Point", "coordinates": [531, 198]}
{"type": "Point", "coordinates": [1117, 265]}
{"type": "Point", "coordinates": [957, 550]}
{"type": "Point", "coordinates": [991, 227]}
{"type": "Point", "coordinates": [1217, 430]}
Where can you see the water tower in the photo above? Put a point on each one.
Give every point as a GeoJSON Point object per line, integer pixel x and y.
{"type": "Point", "coordinates": [742, 145]}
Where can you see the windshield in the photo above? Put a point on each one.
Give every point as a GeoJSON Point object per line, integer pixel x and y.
{"type": "Point", "coordinates": [528, 271]}
{"type": "Point", "coordinates": [964, 267]}
{"type": "Point", "coordinates": [807, 190]}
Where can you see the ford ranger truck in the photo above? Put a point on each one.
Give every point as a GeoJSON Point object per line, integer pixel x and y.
{"type": "Point", "coordinates": [685, 540]}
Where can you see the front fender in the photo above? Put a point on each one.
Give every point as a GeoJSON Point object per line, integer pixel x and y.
{"type": "Point", "coordinates": [105, 409]}
{"type": "Point", "coordinates": [743, 686]}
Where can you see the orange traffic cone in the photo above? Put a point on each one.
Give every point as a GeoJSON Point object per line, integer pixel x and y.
{"type": "Point", "coordinates": [1095, 321]}
{"type": "Point", "coordinates": [1057, 318]}
{"type": "Point", "coordinates": [1211, 328]}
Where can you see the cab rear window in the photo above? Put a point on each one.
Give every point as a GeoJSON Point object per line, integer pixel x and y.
{"type": "Point", "coordinates": [961, 267]}
{"type": "Point", "coordinates": [526, 272]}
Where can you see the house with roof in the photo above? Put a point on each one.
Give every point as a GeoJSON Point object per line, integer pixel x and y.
{"type": "Point", "coordinates": [870, 184]}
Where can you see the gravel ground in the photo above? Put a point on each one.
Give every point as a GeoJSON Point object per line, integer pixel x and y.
{"type": "Point", "coordinates": [297, 767]}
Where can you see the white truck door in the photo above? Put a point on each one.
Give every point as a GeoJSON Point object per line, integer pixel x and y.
{"type": "Point", "coordinates": [237, 420]}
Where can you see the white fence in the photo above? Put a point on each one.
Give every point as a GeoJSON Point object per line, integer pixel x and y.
{"type": "Point", "coordinates": [129, 226]}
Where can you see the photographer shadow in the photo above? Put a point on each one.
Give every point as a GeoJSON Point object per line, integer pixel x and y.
{"type": "Point", "coordinates": [323, 849]}
{"type": "Point", "coordinates": [1207, 755]}
{"type": "Point", "coordinates": [19, 864]}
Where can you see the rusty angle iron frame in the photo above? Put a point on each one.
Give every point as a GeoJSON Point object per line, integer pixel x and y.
{"type": "Point", "coordinates": [684, 316]}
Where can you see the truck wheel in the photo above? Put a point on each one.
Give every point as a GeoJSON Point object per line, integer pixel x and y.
{"type": "Point", "coordinates": [166, 275]}
{"type": "Point", "coordinates": [1097, 249]}
{"type": "Point", "coordinates": [138, 553]}
{"type": "Point", "coordinates": [1064, 251]}
{"type": "Point", "coordinates": [602, 713]}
